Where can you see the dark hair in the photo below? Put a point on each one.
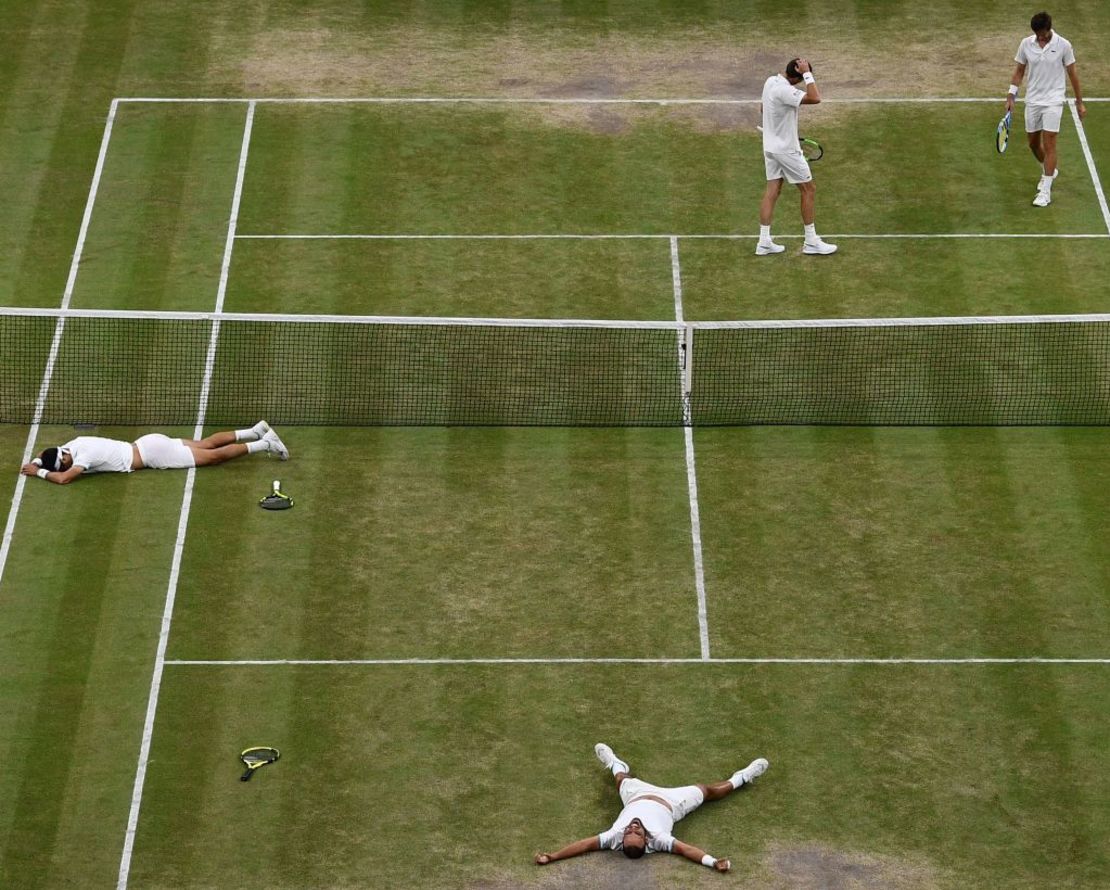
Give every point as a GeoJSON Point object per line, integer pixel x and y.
{"type": "Point", "coordinates": [1042, 21]}
{"type": "Point", "coordinates": [792, 69]}
{"type": "Point", "coordinates": [633, 852]}
{"type": "Point", "coordinates": [51, 459]}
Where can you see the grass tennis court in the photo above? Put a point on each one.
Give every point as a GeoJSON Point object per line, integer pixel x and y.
{"type": "Point", "coordinates": [909, 623]}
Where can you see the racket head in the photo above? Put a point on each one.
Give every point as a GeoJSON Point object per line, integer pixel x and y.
{"type": "Point", "coordinates": [276, 501]}
{"type": "Point", "coordinates": [811, 149]}
{"type": "Point", "coordinates": [256, 757]}
{"type": "Point", "coordinates": [1002, 133]}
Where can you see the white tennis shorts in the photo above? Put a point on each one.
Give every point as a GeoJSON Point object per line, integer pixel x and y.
{"type": "Point", "coordinates": [1043, 117]}
{"type": "Point", "coordinates": [683, 800]}
{"type": "Point", "coordinates": [789, 165]}
{"type": "Point", "coordinates": [163, 453]}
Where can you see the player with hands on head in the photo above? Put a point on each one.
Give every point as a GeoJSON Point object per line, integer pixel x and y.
{"type": "Point", "coordinates": [650, 811]}
{"type": "Point", "coordinates": [783, 158]}
{"type": "Point", "coordinates": [1046, 58]}
{"type": "Point", "coordinates": [95, 454]}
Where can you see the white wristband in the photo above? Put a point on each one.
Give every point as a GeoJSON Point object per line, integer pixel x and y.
{"type": "Point", "coordinates": [808, 77]}
{"type": "Point", "coordinates": [1013, 89]}
{"type": "Point", "coordinates": [708, 861]}
{"type": "Point", "coordinates": [41, 472]}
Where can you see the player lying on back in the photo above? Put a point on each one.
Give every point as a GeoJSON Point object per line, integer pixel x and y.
{"type": "Point", "coordinates": [650, 812]}
{"type": "Point", "coordinates": [95, 454]}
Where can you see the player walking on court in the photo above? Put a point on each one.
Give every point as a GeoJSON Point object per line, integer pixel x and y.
{"type": "Point", "coordinates": [650, 812]}
{"type": "Point", "coordinates": [1046, 57]}
{"type": "Point", "coordinates": [95, 454]}
{"type": "Point", "coordinates": [783, 157]}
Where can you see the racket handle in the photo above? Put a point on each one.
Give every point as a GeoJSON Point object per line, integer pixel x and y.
{"type": "Point", "coordinates": [247, 775]}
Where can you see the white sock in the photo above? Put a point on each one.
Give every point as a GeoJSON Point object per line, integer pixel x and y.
{"type": "Point", "coordinates": [257, 446]}
{"type": "Point", "coordinates": [253, 434]}
{"type": "Point", "coordinates": [811, 234]}
{"type": "Point", "coordinates": [764, 234]}
{"type": "Point", "coordinates": [736, 779]}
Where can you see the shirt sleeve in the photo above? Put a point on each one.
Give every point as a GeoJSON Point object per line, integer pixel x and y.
{"type": "Point", "coordinates": [610, 840]}
{"type": "Point", "coordinates": [1069, 54]}
{"type": "Point", "coordinates": [790, 95]}
{"type": "Point", "coordinates": [1020, 57]}
{"type": "Point", "coordinates": [662, 843]}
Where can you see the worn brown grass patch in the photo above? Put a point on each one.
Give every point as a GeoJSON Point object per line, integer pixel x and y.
{"type": "Point", "coordinates": [817, 867]}
{"type": "Point", "coordinates": [318, 58]}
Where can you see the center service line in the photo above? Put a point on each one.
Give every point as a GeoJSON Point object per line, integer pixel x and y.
{"type": "Point", "coordinates": [691, 472]}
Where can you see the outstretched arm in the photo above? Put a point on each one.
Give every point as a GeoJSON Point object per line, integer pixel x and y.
{"type": "Point", "coordinates": [61, 477]}
{"type": "Point", "coordinates": [586, 845]}
{"type": "Point", "coordinates": [698, 855]}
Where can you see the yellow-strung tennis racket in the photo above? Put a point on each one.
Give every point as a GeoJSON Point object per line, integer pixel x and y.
{"type": "Point", "coordinates": [254, 758]}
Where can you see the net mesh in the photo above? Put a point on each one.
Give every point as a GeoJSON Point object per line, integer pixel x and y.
{"type": "Point", "coordinates": [145, 369]}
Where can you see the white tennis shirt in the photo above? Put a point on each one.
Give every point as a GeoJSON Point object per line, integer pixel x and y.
{"type": "Point", "coordinates": [780, 115]}
{"type": "Point", "coordinates": [99, 455]}
{"type": "Point", "coordinates": [656, 819]}
{"type": "Point", "coordinates": [1045, 82]}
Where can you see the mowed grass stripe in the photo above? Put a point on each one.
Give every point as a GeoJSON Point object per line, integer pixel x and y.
{"type": "Point", "coordinates": [81, 596]}
{"type": "Point", "coordinates": [161, 218]}
{"type": "Point", "coordinates": [899, 543]}
{"type": "Point", "coordinates": [958, 780]}
{"type": "Point", "coordinates": [647, 170]}
{"type": "Point", "coordinates": [454, 542]}
{"type": "Point", "coordinates": [888, 278]}
{"type": "Point", "coordinates": [524, 279]}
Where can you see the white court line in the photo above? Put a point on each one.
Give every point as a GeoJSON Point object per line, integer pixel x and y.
{"type": "Point", "coordinates": [182, 525]}
{"type": "Point", "coordinates": [1090, 163]}
{"type": "Point", "coordinates": [583, 100]}
{"type": "Point", "coordinates": [691, 472]}
{"type": "Point", "coordinates": [632, 236]}
{"type": "Point", "coordinates": [385, 662]}
{"type": "Point", "coordinates": [55, 345]}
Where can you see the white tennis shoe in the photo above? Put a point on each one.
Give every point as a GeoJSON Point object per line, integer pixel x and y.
{"type": "Point", "coordinates": [751, 772]}
{"type": "Point", "coordinates": [819, 248]}
{"type": "Point", "coordinates": [260, 429]}
{"type": "Point", "coordinates": [765, 248]}
{"type": "Point", "coordinates": [275, 446]}
{"type": "Point", "coordinates": [609, 759]}
{"type": "Point", "coordinates": [1043, 199]}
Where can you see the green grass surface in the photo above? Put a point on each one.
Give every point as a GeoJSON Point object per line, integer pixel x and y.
{"type": "Point", "coordinates": [564, 543]}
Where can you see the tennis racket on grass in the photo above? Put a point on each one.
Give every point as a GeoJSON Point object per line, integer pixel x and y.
{"type": "Point", "coordinates": [276, 499]}
{"type": "Point", "coordinates": [1002, 134]}
{"type": "Point", "coordinates": [254, 758]}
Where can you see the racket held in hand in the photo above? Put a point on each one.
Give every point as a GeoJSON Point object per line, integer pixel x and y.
{"type": "Point", "coordinates": [811, 148]}
{"type": "Point", "coordinates": [257, 757]}
{"type": "Point", "coordinates": [1002, 134]}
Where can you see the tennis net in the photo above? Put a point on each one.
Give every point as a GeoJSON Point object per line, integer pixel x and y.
{"type": "Point", "coordinates": [145, 368]}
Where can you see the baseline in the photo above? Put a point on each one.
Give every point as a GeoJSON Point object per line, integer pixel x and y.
{"type": "Point", "coordinates": [583, 100]}
{"type": "Point", "coordinates": [726, 236]}
{"type": "Point", "coordinates": [323, 662]}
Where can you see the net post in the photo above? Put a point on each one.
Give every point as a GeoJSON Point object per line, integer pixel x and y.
{"type": "Point", "coordinates": [687, 373]}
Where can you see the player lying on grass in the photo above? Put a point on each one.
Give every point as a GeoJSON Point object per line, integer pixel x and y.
{"type": "Point", "coordinates": [94, 454]}
{"type": "Point", "coordinates": [644, 825]}
{"type": "Point", "coordinates": [1046, 57]}
{"type": "Point", "coordinates": [783, 157]}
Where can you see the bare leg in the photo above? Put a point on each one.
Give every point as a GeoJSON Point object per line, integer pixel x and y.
{"type": "Point", "coordinates": [620, 777]}
{"type": "Point", "coordinates": [204, 457]}
{"type": "Point", "coordinates": [767, 205]}
{"type": "Point", "coordinates": [1036, 147]}
{"type": "Point", "coordinates": [717, 790]}
{"type": "Point", "coordinates": [809, 195]}
{"type": "Point", "coordinates": [1048, 152]}
{"type": "Point", "coordinates": [216, 440]}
